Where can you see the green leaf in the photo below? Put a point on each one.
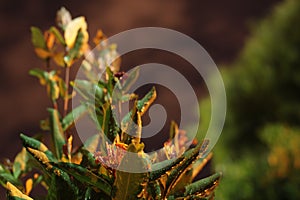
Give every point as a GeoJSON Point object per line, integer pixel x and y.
{"type": "Point", "coordinates": [35, 144]}
{"type": "Point", "coordinates": [133, 130]}
{"type": "Point", "coordinates": [91, 143]}
{"type": "Point", "coordinates": [57, 34]}
{"type": "Point", "coordinates": [40, 74]}
{"type": "Point", "coordinates": [164, 167]}
{"type": "Point", "coordinates": [60, 180]}
{"type": "Point", "coordinates": [175, 174]}
{"type": "Point", "coordinates": [185, 178]}
{"type": "Point", "coordinates": [49, 79]}
{"type": "Point", "coordinates": [73, 116]}
{"type": "Point", "coordinates": [62, 189]}
{"type": "Point", "coordinates": [203, 187]}
{"type": "Point", "coordinates": [89, 91]}
{"type": "Point", "coordinates": [20, 163]}
{"type": "Point", "coordinates": [109, 125]}
{"type": "Point", "coordinates": [146, 101]}
{"type": "Point", "coordinates": [110, 80]}
{"type": "Point", "coordinates": [173, 130]}
{"type": "Point", "coordinates": [6, 176]}
{"type": "Point", "coordinates": [57, 132]}
{"type": "Point", "coordinates": [88, 159]}
{"type": "Point", "coordinates": [154, 189]}
{"type": "Point", "coordinates": [130, 80]}
{"type": "Point", "coordinates": [37, 38]}
{"type": "Point", "coordinates": [142, 105]}
{"type": "Point", "coordinates": [86, 176]}
{"type": "Point", "coordinates": [129, 185]}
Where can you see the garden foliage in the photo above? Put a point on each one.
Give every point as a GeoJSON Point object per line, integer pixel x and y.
{"type": "Point", "coordinates": [82, 172]}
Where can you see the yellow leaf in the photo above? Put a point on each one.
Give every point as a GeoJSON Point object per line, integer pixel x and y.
{"type": "Point", "coordinates": [72, 29]}
{"type": "Point", "coordinates": [28, 186]}
{"type": "Point", "coordinates": [42, 53]}
{"type": "Point", "coordinates": [59, 59]}
{"type": "Point", "coordinates": [21, 158]}
{"type": "Point", "coordinates": [15, 192]}
{"type": "Point", "coordinates": [99, 37]}
{"type": "Point", "coordinates": [69, 146]}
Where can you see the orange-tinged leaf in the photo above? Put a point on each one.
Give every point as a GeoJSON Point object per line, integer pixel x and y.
{"type": "Point", "coordinates": [28, 186]}
{"type": "Point", "coordinates": [42, 53]}
{"type": "Point", "coordinates": [59, 59]}
{"type": "Point", "coordinates": [50, 39]}
{"type": "Point", "coordinates": [99, 37]}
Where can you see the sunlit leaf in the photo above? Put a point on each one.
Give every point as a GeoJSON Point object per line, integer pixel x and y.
{"type": "Point", "coordinates": [42, 53]}
{"type": "Point", "coordinates": [50, 39]}
{"type": "Point", "coordinates": [142, 105]}
{"type": "Point", "coordinates": [20, 162]}
{"type": "Point", "coordinates": [128, 181]}
{"type": "Point", "coordinates": [15, 193]}
{"type": "Point", "coordinates": [203, 187]}
{"type": "Point", "coordinates": [59, 59]}
{"type": "Point", "coordinates": [133, 130]}
{"type": "Point", "coordinates": [72, 29]}
{"type": "Point", "coordinates": [28, 186]}
{"type": "Point", "coordinates": [60, 180]}
{"type": "Point", "coordinates": [35, 144]}
{"type": "Point", "coordinates": [173, 130]}
{"type": "Point", "coordinates": [99, 37]}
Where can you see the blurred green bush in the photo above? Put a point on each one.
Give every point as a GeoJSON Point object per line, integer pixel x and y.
{"type": "Point", "coordinates": [258, 150]}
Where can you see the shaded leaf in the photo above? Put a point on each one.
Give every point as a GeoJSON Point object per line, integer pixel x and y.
{"type": "Point", "coordinates": [6, 176]}
{"type": "Point", "coordinates": [57, 34]}
{"type": "Point", "coordinates": [57, 132]}
{"type": "Point", "coordinates": [37, 38]}
{"type": "Point", "coordinates": [60, 180]}
{"type": "Point", "coordinates": [73, 116]}
{"type": "Point", "coordinates": [86, 176]}
{"type": "Point", "coordinates": [130, 80]}
{"type": "Point", "coordinates": [91, 143]}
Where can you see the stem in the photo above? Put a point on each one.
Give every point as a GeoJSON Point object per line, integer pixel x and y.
{"type": "Point", "coordinates": [55, 106]}
{"type": "Point", "coordinates": [120, 112]}
{"type": "Point", "coordinates": [48, 64]}
{"type": "Point", "coordinates": [66, 100]}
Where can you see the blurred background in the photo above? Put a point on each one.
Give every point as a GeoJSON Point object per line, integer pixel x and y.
{"type": "Point", "coordinates": [256, 44]}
